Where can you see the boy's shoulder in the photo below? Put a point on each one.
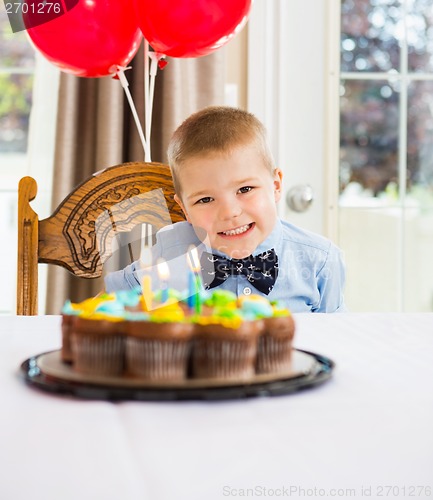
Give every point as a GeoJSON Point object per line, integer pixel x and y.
{"type": "Point", "coordinates": [295, 235]}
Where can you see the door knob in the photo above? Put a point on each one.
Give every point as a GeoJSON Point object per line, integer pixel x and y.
{"type": "Point", "coordinates": [300, 197]}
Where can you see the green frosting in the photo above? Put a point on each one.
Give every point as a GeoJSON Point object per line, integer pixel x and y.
{"type": "Point", "coordinates": [220, 298]}
{"type": "Point", "coordinates": [228, 313]}
{"type": "Point", "coordinates": [172, 294]}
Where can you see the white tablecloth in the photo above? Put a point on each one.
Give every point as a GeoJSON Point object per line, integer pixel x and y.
{"type": "Point", "coordinates": [368, 432]}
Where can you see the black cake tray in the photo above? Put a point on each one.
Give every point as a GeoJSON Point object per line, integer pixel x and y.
{"type": "Point", "coordinates": [46, 372]}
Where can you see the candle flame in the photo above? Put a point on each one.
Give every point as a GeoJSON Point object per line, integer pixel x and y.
{"type": "Point", "coordinates": [193, 260]}
{"type": "Point", "coordinates": [163, 270]}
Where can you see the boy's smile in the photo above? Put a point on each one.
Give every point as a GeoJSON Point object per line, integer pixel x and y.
{"type": "Point", "coordinates": [237, 231]}
{"type": "Point", "coordinates": [231, 196]}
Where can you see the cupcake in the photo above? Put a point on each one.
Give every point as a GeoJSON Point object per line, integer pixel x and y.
{"type": "Point", "coordinates": [158, 343]}
{"type": "Point", "coordinates": [69, 312]}
{"type": "Point", "coordinates": [275, 344]}
{"type": "Point", "coordinates": [97, 337]}
{"type": "Point", "coordinates": [225, 342]}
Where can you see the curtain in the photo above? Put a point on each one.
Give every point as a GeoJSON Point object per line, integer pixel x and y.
{"type": "Point", "coordinates": [95, 130]}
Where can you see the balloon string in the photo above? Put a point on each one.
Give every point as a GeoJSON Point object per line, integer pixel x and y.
{"type": "Point", "coordinates": [120, 73]}
{"type": "Point", "coordinates": [154, 58]}
{"type": "Point", "coordinates": [146, 96]}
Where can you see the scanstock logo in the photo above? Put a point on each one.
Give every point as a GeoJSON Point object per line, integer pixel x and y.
{"type": "Point", "coordinates": [26, 14]}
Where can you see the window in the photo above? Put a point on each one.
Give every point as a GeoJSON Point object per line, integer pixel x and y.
{"type": "Point", "coordinates": [386, 146]}
{"type": "Point", "coordinates": [28, 89]}
{"type": "Point", "coordinates": [17, 65]}
{"type": "Point", "coordinates": [386, 98]}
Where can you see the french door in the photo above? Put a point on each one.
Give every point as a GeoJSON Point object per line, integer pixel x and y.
{"type": "Point", "coordinates": [346, 91]}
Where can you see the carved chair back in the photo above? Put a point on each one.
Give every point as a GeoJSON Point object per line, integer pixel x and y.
{"type": "Point", "coordinates": [78, 235]}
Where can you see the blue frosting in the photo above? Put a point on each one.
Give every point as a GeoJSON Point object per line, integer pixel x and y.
{"type": "Point", "coordinates": [111, 307]}
{"type": "Point", "coordinates": [257, 308]}
{"type": "Point", "coordinates": [68, 309]}
{"type": "Point", "coordinates": [129, 298]}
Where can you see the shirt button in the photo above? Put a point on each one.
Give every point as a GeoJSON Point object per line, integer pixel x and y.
{"type": "Point", "coordinates": [247, 290]}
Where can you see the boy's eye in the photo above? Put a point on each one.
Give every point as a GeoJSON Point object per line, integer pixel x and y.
{"type": "Point", "coordinates": [206, 199]}
{"type": "Point", "coordinates": [245, 189]}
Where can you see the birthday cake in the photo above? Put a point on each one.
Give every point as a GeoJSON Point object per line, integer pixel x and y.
{"type": "Point", "coordinates": [212, 335]}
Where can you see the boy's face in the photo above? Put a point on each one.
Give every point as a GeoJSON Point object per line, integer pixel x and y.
{"type": "Point", "coordinates": [231, 196]}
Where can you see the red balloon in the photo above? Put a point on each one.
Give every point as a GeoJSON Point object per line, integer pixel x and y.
{"type": "Point", "coordinates": [190, 28]}
{"type": "Point", "coordinates": [90, 39]}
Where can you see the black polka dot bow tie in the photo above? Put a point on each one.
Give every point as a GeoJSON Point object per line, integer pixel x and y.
{"type": "Point", "coordinates": [260, 270]}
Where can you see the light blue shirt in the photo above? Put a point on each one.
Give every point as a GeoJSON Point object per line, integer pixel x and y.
{"type": "Point", "coordinates": [310, 279]}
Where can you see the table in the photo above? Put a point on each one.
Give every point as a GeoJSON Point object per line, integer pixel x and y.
{"type": "Point", "coordinates": [368, 432]}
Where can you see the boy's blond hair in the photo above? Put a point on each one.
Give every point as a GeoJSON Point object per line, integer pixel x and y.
{"type": "Point", "coordinates": [216, 129]}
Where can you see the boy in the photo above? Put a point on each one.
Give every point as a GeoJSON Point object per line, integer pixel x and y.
{"type": "Point", "coordinates": [228, 187]}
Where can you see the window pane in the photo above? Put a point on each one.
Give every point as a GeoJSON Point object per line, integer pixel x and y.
{"type": "Point", "coordinates": [369, 138]}
{"type": "Point", "coordinates": [15, 104]}
{"type": "Point", "coordinates": [8, 251]}
{"type": "Point", "coordinates": [420, 35]}
{"type": "Point", "coordinates": [369, 238]}
{"type": "Point", "coordinates": [418, 251]}
{"type": "Point", "coordinates": [369, 35]}
{"type": "Point", "coordinates": [419, 141]}
{"type": "Point", "coordinates": [16, 49]}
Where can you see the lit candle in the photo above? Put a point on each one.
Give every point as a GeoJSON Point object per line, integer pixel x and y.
{"type": "Point", "coordinates": [191, 289]}
{"type": "Point", "coordinates": [197, 305]}
{"type": "Point", "coordinates": [146, 283]}
{"type": "Point", "coordinates": [163, 273]}
{"type": "Point", "coordinates": [194, 280]}
{"type": "Point", "coordinates": [146, 290]}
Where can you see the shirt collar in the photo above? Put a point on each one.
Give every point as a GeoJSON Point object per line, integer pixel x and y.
{"type": "Point", "coordinates": [272, 241]}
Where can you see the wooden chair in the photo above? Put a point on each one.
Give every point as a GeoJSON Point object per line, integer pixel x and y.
{"type": "Point", "coordinates": [78, 235]}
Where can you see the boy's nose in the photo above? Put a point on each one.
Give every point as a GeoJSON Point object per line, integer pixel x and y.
{"type": "Point", "coordinates": [229, 210]}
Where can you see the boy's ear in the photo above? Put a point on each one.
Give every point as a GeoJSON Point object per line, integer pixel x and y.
{"type": "Point", "coordinates": [278, 183]}
{"type": "Point", "coordinates": [179, 202]}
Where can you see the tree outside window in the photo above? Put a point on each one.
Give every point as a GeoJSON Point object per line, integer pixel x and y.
{"type": "Point", "coordinates": [387, 98]}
